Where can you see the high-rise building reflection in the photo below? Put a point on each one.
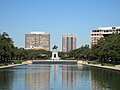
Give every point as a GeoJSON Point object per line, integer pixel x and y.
{"type": "Point", "coordinates": [68, 78]}
{"type": "Point", "coordinates": [38, 78]}
{"type": "Point", "coordinates": [48, 77]}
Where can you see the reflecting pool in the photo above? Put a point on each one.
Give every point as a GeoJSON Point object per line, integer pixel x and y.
{"type": "Point", "coordinates": [58, 77]}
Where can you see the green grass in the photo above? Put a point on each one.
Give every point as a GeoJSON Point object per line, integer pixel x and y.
{"type": "Point", "coordinates": [102, 64]}
{"type": "Point", "coordinates": [105, 64]}
{"type": "Point", "coordinates": [1, 64]}
{"type": "Point", "coordinates": [17, 61]}
{"type": "Point", "coordinates": [93, 62]}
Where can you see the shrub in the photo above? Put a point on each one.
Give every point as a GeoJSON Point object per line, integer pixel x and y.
{"type": "Point", "coordinates": [17, 62]}
{"type": "Point", "coordinates": [1, 64]}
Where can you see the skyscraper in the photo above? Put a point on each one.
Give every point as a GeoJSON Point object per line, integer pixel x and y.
{"type": "Point", "coordinates": [37, 40]}
{"type": "Point", "coordinates": [102, 32]}
{"type": "Point", "coordinates": [68, 42]}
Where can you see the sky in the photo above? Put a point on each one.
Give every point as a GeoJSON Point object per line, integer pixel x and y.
{"type": "Point", "coordinates": [18, 17]}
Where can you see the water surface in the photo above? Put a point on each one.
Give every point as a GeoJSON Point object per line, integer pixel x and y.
{"type": "Point", "coordinates": [58, 77]}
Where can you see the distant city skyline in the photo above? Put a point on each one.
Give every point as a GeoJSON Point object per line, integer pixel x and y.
{"type": "Point", "coordinates": [18, 17]}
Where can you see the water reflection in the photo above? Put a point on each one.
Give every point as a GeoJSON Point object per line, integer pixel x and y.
{"type": "Point", "coordinates": [105, 79]}
{"type": "Point", "coordinates": [37, 79]}
{"type": "Point", "coordinates": [68, 78]}
{"type": "Point", "coordinates": [58, 77]}
{"type": "Point", "coordinates": [4, 80]}
{"type": "Point", "coordinates": [11, 79]}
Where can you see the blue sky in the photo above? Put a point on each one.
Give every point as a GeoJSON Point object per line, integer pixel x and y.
{"type": "Point", "coordinates": [56, 17]}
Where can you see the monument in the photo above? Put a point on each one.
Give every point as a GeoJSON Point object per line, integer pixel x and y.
{"type": "Point", "coordinates": [55, 53]}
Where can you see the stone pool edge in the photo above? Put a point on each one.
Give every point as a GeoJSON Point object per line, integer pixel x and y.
{"type": "Point", "coordinates": [12, 65]}
{"type": "Point", "coordinates": [103, 67]}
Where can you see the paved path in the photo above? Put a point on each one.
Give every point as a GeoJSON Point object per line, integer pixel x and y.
{"type": "Point", "coordinates": [12, 65]}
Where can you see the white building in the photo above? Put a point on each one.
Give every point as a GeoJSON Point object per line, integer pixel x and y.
{"type": "Point", "coordinates": [37, 40]}
{"type": "Point", "coordinates": [102, 32]}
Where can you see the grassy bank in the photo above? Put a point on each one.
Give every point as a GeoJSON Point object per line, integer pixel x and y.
{"type": "Point", "coordinates": [13, 62]}
{"type": "Point", "coordinates": [99, 63]}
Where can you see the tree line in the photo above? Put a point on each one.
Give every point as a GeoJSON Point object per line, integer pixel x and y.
{"type": "Point", "coordinates": [9, 52]}
{"type": "Point", "coordinates": [106, 51]}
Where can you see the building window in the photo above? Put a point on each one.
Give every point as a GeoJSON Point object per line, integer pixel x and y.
{"type": "Point", "coordinates": [113, 28]}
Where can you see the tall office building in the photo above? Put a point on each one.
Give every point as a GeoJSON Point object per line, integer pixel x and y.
{"type": "Point", "coordinates": [37, 40]}
{"type": "Point", "coordinates": [68, 42]}
{"type": "Point", "coordinates": [101, 33]}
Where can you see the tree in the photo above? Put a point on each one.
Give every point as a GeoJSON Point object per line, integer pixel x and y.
{"type": "Point", "coordinates": [80, 53]}
{"type": "Point", "coordinates": [6, 46]}
{"type": "Point", "coordinates": [108, 49]}
{"type": "Point", "coordinates": [37, 54]}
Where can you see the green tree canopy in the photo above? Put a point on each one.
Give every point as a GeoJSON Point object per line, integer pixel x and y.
{"type": "Point", "coordinates": [107, 49]}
